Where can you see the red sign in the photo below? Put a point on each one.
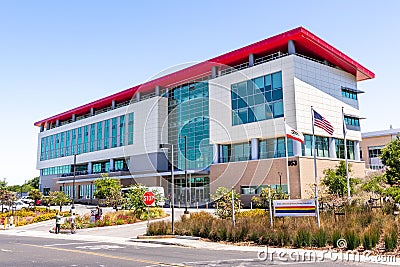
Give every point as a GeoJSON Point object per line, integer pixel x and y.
{"type": "Point", "coordinates": [148, 198]}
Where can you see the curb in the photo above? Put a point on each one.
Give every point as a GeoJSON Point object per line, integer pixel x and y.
{"type": "Point", "coordinates": [155, 241]}
{"type": "Point", "coordinates": [168, 236]}
{"type": "Point", "coordinates": [62, 231]}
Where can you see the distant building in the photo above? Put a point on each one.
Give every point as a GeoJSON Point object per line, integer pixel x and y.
{"type": "Point", "coordinates": [371, 145]}
{"type": "Point", "coordinates": [230, 109]}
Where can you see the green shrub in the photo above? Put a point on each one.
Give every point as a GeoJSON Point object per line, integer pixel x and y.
{"type": "Point", "coordinates": [390, 238]}
{"type": "Point", "coordinates": [320, 238]}
{"type": "Point", "coordinates": [352, 239]}
{"type": "Point", "coordinates": [367, 240]}
{"type": "Point", "coordinates": [302, 238]}
{"type": "Point", "coordinates": [336, 235]}
{"type": "Point", "coordinates": [159, 228]}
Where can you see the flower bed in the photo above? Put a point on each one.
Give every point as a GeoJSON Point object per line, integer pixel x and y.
{"type": "Point", "coordinates": [361, 228]}
{"type": "Point", "coordinates": [114, 218]}
{"type": "Point", "coordinates": [33, 215]}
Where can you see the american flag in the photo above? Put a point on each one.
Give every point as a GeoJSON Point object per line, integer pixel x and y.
{"type": "Point", "coordinates": [321, 122]}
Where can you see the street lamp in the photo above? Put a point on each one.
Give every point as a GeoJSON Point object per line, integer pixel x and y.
{"type": "Point", "coordinates": [73, 186]}
{"type": "Point", "coordinates": [171, 147]}
{"type": "Point", "coordinates": [186, 180]}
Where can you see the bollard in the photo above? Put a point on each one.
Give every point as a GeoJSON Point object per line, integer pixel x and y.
{"type": "Point", "coordinates": [207, 205]}
{"type": "Point", "coordinates": [197, 205]}
{"type": "Point", "coordinates": [251, 205]}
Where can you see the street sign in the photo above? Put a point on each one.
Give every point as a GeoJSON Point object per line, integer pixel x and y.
{"type": "Point", "coordinates": [148, 198]}
{"type": "Point", "coordinates": [294, 208]}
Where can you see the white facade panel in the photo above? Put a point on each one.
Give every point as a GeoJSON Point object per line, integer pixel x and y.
{"type": "Point", "coordinates": [149, 116]}
{"type": "Point", "coordinates": [221, 129]}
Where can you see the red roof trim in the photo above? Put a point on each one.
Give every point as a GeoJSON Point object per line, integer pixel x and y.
{"type": "Point", "coordinates": [305, 42]}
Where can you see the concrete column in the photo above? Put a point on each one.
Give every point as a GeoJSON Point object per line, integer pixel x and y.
{"type": "Point", "coordinates": [214, 72]}
{"type": "Point", "coordinates": [215, 153]}
{"type": "Point", "coordinates": [91, 111]}
{"type": "Point", "coordinates": [297, 148]}
{"type": "Point", "coordinates": [332, 148]}
{"type": "Point", "coordinates": [251, 60]}
{"type": "Point", "coordinates": [137, 96]}
{"type": "Point", "coordinates": [254, 149]}
{"type": "Point", "coordinates": [111, 164]}
{"type": "Point", "coordinates": [157, 90]}
{"type": "Point", "coordinates": [291, 47]}
{"type": "Point", "coordinates": [357, 150]}
{"type": "Point", "coordinates": [113, 104]}
{"type": "Point", "coordinates": [90, 167]}
{"type": "Point", "coordinates": [73, 118]}
{"type": "Point", "coordinates": [42, 128]}
{"type": "Point", "coordinates": [57, 123]}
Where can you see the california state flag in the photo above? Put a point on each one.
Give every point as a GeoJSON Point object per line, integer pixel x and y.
{"type": "Point", "coordinates": [294, 134]}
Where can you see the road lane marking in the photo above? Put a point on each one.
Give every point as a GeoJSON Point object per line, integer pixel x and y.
{"type": "Point", "coordinates": [105, 255]}
{"type": "Point", "coordinates": [69, 244]}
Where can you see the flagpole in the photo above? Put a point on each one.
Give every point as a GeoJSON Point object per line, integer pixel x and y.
{"type": "Point", "coordinates": [315, 170]}
{"type": "Point", "coordinates": [345, 155]}
{"type": "Point", "coordinates": [287, 160]}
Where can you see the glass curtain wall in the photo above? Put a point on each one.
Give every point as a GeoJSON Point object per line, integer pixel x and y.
{"type": "Point", "coordinates": [188, 117]}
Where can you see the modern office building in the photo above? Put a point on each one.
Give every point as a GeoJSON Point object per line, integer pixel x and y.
{"type": "Point", "coordinates": [371, 145]}
{"type": "Point", "coordinates": [225, 119]}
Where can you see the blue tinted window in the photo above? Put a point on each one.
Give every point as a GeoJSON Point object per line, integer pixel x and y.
{"type": "Point", "coordinates": [257, 99]}
{"type": "Point", "coordinates": [277, 80]}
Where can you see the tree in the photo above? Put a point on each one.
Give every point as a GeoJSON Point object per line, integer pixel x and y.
{"type": "Point", "coordinates": [375, 184]}
{"type": "Point", "coordinates": [58, 198]}
{"type": "Point", "coordinates": [109, 190]}
{"type": "Point", "coordinates": [391, 158]}
{"type": "Point", "coordinates": [34, 183]}
{"type": "Point", "coordinates": [223, 202]}
{"type": "Point", "coordinates": [6, 198]}
{"type": "Point", "coordinates": [336, 182]}
{"type": "Point", "coordinates": [135, 199]}
{"type": "Point", "coordinates": [36, 195]}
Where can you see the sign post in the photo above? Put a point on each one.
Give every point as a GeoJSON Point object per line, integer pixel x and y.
{"type": "Point", "coordinates": [148, 199]}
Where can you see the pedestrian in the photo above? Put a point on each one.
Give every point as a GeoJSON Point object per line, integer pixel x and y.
{"type": "Point", "coordinates": [58, 223]}
{"type": "Point", "coordinates": [72, 221]}
{"type": "Point", "coordinates": [98, 213]}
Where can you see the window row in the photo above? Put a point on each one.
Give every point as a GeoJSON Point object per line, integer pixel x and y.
{"type": "Point", "coordinates": [99, 167]}
{"type": "Point", "coordinates": [351, 121]}
{"type": "Point", "coordinates": [268, 148]}
{"type": "Point", "coordinates": [349, 94]}
{"type": "Point", "coordinates": [94, 137]}
{"type": "Point", "coordinates": [322, 147]}
{"type": "Point", "coordinates": [257, 189]}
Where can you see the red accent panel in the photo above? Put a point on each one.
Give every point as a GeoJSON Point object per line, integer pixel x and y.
{"type": "Point", "coordinates": [306, 43]}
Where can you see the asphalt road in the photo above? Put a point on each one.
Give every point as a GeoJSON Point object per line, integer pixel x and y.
{"type": "Point", "coordinates": [32, 251]}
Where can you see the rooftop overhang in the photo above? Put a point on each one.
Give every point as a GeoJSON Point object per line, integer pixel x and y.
{"type": "Point", "coordinates": [306, 43]}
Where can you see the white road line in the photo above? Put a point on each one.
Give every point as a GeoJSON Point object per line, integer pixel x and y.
{"type": "Point", "coordinates": [68, 244]}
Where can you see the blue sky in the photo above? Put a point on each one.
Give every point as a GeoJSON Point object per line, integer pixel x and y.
{"type": "Point", "coordinates": [56, 55]}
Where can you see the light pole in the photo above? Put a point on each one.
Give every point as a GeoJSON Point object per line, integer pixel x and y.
{"type": "Point", "coordinates": [171, 147]}
{"type": "Point", "coordinates": [73, 185]}
{"type": "Point", "coordinates": [186, 180]}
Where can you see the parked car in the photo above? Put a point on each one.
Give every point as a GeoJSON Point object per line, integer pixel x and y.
{"type": "Point", "coordinates": [27, 200]}
{"type": "Point", "coordinates": [18, 205]}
